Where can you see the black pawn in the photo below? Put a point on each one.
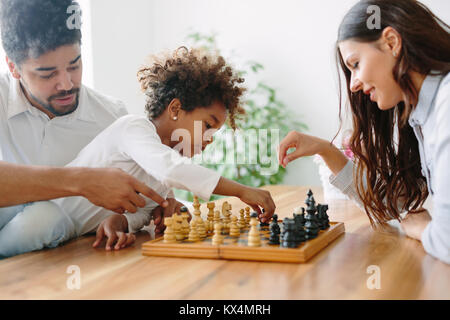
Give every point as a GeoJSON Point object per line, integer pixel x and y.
{"type": "Point", "coordinates": [274, 231]}
{"type": "Point", "coordinates": [319, 216]}
{"type": "Point", "coordinates": [289, 237]}
{"type": "Point", "coordinates": [325, 218]}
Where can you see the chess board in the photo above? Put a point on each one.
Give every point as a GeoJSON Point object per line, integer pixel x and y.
{"type": "Point", "coordinates": [236, 248]}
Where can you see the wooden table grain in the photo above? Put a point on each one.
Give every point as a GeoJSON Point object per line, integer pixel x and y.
{"type": "Point", "coordinates": [340, 271]}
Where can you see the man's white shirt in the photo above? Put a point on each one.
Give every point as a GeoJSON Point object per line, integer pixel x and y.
{"type": "Point", "coordinates": [28, 136]}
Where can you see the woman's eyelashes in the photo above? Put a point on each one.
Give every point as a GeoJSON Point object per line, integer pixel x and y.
{"type": "Point", "coordinates": [207, 125]}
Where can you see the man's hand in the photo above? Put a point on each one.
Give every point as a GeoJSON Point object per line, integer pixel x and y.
{"type": "Point", "coordinates": [115, 229]}
{"type": "Point", "coordinates": [415, 223]}
{"type": "Point", "coordinates": [159, 213]}
{"type": "Point", "coordinates": [115, 190]}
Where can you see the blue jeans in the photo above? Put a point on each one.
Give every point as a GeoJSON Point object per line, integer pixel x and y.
{"type": "Point", "coordinates": [32, 227]}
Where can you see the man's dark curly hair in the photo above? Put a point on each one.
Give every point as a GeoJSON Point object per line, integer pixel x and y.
{"type": "Point", "coordinates": [30, 28]}
{"type": "Point", "coordinates": [194, 76]}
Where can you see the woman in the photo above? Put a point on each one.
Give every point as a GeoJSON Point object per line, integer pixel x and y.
{"type": "Point", "coordinates": [398, 88]}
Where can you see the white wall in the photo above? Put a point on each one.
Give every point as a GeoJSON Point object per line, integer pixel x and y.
{"type": "Point", "coordinates": [293, 39]}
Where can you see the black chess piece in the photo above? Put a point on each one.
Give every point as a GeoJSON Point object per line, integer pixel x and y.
{"type": "Point", "coordinates": [299, 219]}
{"type": "Point", "coordinates": [289, 239]}
{"type": "Point", "coordinates": [311, 226]}
{"type": "Point", "coordinates": [319, 216]}
{"type": "Point", "coordinates": [274, 231]}
{"type": "Point", "coordinates": [325, 218]}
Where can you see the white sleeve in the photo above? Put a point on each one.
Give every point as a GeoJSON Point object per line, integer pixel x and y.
{"type": "Point", "coordinates": [436, 236]}
{"type": "Point", "coordinates": [345, 183]}
{"type": "Point", "coordinates": [137, 220]}
{"type": "Point", "coordinates": [140, 142]}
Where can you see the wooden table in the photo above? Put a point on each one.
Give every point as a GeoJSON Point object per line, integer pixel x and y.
{"type": "Point", "coordinates": [338, 272]}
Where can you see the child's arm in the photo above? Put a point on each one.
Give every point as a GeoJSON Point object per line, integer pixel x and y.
{"type": "Point", "coordinates": [254, 197]}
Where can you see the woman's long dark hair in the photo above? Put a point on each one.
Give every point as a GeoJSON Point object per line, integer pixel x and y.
{"type": "Point", "coordinates": [388, 170]}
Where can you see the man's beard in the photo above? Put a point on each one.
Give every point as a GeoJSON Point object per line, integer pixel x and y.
{"type": "Point", "coordinates": [48, 106]}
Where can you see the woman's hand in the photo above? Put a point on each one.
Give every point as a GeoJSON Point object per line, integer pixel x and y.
{"type": "Point", "coordinates": [305, 145]}
{"type": "Point", "coordinates": [115, 229]}
{"type": "Point", "coordinates": [415, 223]}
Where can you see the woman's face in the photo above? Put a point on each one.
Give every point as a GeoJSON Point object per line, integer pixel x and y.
{"type": "Point", "coordinates": [371, 66]}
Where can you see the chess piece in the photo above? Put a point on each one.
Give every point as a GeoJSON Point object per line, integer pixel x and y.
{"type": "Point", "coordinates": [193, 235]}
{"type": "Point", "coordinates": [184, 221]}
{"type": "Point", "coordinates": [234, 229]}
{"type": "Point", "coordinates": [241, 222]}
{"type": "Point", "coordinates": [169, 235]}
{"type": "Point", "coordinates": [308, 199]}
{"type": "Point", "coordinates": [254, 238]}
{"type": "Point", "coordinates": [247, 216]}
{"type": "Point", "coordinates": [300, 212]}
{"type": "Point", "coordinates": [274, 231]}
{"type": "Point", "coordinates": [322, 216]}
{"type": "Point", "coordinates": [176, 221]}
{"type": "Point", "coordinates": [200, 224]}
{"type": "Point", "coordinates": [216, 217]}
{"type": "Point", "coordinates": [311, 226]}
{"type": "Point", "coordinates": [217, 237]}
{"type": "Point", "coordinates": [210, 217]}
{"type": "Point", "coordinates": [289, 238]}
{"type": "Point", "coordinates": [226, 207]}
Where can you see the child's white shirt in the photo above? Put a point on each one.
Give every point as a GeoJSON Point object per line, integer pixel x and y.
{"type": "Point", "coordinates": [132, 144]}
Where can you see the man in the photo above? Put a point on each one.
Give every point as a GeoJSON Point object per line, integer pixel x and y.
{"type": "Point", "coordinates": [46, 117]}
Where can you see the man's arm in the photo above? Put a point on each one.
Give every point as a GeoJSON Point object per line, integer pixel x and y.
{"type": "Point", "coordinates": [110, 188]}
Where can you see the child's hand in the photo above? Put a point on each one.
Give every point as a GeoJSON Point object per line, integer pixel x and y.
{"type": "Point", "coordinates": [257, 198]}
{"type": "Point", "coordinates": [159, 213]}
{"type": "Point", "coordinates": [115, 229]}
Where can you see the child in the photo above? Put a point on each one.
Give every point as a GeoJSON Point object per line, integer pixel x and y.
{"type": "Point", "coordinates": [184, 90]}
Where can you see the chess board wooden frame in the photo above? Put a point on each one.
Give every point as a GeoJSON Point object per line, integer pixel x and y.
{"type": "Point", "coordinates": [272, 253]}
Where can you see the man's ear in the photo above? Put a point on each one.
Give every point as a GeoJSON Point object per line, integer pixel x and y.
{"type": "Point", "coordinates": [174, 108]}
{"type": "Point", "coordinates": [13, 68]}
{"type": "Point", "coordinates": [392, 40]}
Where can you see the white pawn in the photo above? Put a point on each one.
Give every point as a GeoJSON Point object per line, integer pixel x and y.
{"type": "Point", "coordinates": [234, 229]}
{"type": "Point", "coordinates": [226, 207]}
{"type": "Point", "coordinates": [176, 220]}
{"type": "Point", "coordinates": [193, 235]}
{"type": "Point", "coordinates": [169, 235]}
{"type": "Point", "coordinates": [247, 216]}
{"type": "Point", "coordinates": [254, 238]}
{"type": "Point", "coordinates": [217, 237]}
{"type": "Point", "coordinates": [241, 223]}
{"type": "Point", "coordinates": [210, 224]}
{"type": "Point", "coordinates": [185, 224]}
{"type": "Point", "coordinates": [216, 217]}
{"type": "Point", "coordinates": [201, 230]}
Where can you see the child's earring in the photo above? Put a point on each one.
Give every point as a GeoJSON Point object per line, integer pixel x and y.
{"type": "Point", "coordinates": [175, 118]}
{"type": "Point", "coordinates": [395, 54]}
